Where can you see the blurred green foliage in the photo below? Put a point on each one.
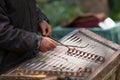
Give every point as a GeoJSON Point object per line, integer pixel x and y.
{"type": "Point", "coordinates": [59, 12]}
{"type": "Point", "coordinates": [114, 12]}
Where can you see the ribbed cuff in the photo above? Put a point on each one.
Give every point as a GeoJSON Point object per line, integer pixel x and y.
{"type": "Point", "coordinates": [39, 40]}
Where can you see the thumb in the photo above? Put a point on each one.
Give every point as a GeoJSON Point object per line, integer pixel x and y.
{"type": "Point", "coordinates": [43, 31]}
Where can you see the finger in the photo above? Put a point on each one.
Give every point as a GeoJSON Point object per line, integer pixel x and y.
{"type": "Point", "coordinates": [53, 45]}
{"type": "Point", "coordinates": [51, 48]}
{"type": "Point", "coordinates": [53, 41]}
{"type": "Point", "coordinates": [49, 31]}
{"type": "Point", "coordinates": [43, 28]}
{"type": "Point", "coordinates": [44, 49]}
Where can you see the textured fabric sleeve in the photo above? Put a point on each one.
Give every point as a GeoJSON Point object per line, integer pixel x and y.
{"type": "Point", "coordinates": [14, 39]}
{"type": "Point", "coordinates": [40, 15]}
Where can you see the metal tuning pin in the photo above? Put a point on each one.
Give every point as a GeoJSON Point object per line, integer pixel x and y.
{"type": "Point", "coordinates": [84, 55]}
{"type": "Point", "coordinates": [88, 70]}
{"type": "Point", "coordinates": [101, 59]}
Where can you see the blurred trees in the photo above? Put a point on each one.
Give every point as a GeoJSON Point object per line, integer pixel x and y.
{"type": "Point", "coordinates": [59, 11]}
{"type": "Point", "coordinates": [114, 9]}
{"type": "Point", "coordinates": [94, 6]}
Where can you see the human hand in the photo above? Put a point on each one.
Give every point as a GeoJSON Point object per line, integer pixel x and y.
{"type": "Point", "coordinates": [46, 28]}
{"type": "Point", "coordinates": [47, 44]}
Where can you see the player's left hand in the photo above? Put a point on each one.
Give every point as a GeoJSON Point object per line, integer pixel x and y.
{"type": "Point", "coordinates": [45, 28]}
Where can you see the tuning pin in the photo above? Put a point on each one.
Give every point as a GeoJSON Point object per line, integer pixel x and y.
{"type": "Point", "coordinates": [80, 74]}
{"type": "Point", "coordinates": [25, 71]}
{"type": "Point", "coordinates": [80, 69]}
{"type": "Point", "coordinates": [101, 59]}
{"type": "Point", "coordinates": [36, 72]}
{"type": "Point", "coordinates": [87, 70]}
{"type": "Point", "coordinates": [31, 72]}
{"type": "Point", "coordinates": [89, 55]}
{"type": "Point", "coordinates": [81, 54]}
{"type": "Point", "coordinates": [86, 55]}
{"type": "Point", "coordinates": [53, 72]}
{"type": "Point", "coordinates": [73, 51]}
{"type": "Point", "coordinates": [69, 74]}
{"type": "Point", "coordinates": [19, 72]}
{"type": "Point", "coordinates": [58, 72]}
{"type": "Point", "coordinates": [41, 72]}
{"type": "Point", "coordinates": [69, 51]}
{"type": "Point", "coordinates": [94, 57]}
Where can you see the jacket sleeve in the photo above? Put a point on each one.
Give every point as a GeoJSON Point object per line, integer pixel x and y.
{"type": "Point", "coordinates": [14, 39]}
{"type": "Point", "coordinates": [41, 16]}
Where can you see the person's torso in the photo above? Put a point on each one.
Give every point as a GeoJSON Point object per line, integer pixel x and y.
{"type": "Point", "coordinates": [22, 14]}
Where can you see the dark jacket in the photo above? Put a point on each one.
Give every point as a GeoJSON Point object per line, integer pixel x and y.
{"type": "Point", "coordinates": [18, 29]}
